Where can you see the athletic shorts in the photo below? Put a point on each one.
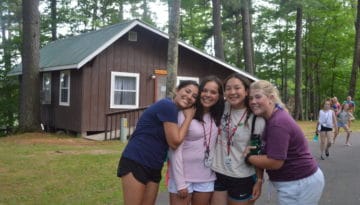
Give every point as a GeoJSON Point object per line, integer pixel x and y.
{"type": "Point", "coordinates": [239, 189]}
{"type": "Point", "coordinates": [325, 129]}
{"type": "Point", "coordinates": [142, 173]}
{"type": "Point", "coordinates": [192, 186]}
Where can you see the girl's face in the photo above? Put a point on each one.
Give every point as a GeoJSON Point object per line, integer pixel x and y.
{"type": "Point", "coordinates": [186, 96]}
{"type": "Point", "coordinates": [327, 105]}
{"type": "Point", "coordinates": [235, 93]}
{"type": "Point", "coordinates": [260, 104]}
{"type": "Point", "coordinates": [209, 96]}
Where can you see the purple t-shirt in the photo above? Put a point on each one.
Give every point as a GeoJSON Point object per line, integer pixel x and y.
{"type": "Point", "coordinates": [284, 140]}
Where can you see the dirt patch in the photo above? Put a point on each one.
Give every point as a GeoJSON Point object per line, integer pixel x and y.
{"type": "Point", "coordinates": [45, 138]}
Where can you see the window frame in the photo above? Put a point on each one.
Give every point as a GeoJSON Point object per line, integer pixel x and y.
{"type": "Point", "coordinates": [180, 78]}
{"type": "Point", "coordinates": [112, 90]}
{"type": "Point", "coordinates": [67, 103]}
{"type": "Point", "coordinates": [46, 91]}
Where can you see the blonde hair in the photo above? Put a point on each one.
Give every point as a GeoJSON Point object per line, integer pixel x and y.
{"type": "Point", "coordinates": [268, 89]}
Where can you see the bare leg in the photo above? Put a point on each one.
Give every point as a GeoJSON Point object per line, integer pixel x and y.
{"type": "Point", "coordinates": [322, 143]}
{"type": "Point", "coordinates": [329, 137]}
{"type": "Point", "coordinates": [347, 135]}
{"type": "Point", "coordinates": [201, 198]}
{"type": "Point", "coordinates": [151, 192]}
{"type": "Point", "coordinates": [176, 200]}
{"type": "Point", "coordinates": [336, 134]}
{"type": "Point", "coordinates": [219, 198]}
{"type": "Point", "coordinates": [133, 190]}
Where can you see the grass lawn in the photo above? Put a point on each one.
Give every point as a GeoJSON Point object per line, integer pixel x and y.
{"type": "Point", "coordinates": [37, 168]}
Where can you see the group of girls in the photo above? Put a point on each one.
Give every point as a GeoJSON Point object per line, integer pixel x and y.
{"type": "Point", "coordinates": [205, 132]}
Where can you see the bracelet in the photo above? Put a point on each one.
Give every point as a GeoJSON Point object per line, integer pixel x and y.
{"type": "Point", "coordinates": [259, 180]}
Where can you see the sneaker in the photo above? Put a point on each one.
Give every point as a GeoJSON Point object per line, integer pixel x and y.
{"type": "Point", "coordinates": [322, 158]}
{"type": "Point", "coordinates": [327, 152]}
{"type": "Point", "coordinates": [348, 144]}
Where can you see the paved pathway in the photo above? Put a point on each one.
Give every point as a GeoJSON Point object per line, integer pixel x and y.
{"type": "Point", "coordinates": [341, 170]}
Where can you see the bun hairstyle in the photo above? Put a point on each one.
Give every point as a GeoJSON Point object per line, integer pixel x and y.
{"type": "Point", "coordinates": [268, 89]}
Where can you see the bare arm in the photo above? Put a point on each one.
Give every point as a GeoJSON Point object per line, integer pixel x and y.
{"type": "Point", "coordinates": [174, 134]}
{"type": "Point", "coordinates": [256, 192]}
{"type": "Point", "coordinates": [264, 162]}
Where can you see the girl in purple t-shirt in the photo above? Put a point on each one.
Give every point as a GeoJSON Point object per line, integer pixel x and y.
{"type": "Point", "coordinates": [285, 153]}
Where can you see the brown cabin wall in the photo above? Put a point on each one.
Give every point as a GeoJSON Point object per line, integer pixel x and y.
{"type": "Point", "coordinates": [55, 116]}
{"type": "Point", "coordinates": [143, 57]}
{"type": "Point", "coordinates": [90, 85]}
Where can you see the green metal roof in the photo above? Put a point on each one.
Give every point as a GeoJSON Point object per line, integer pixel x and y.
{"type": "Point", "coordinates": [74, 52]}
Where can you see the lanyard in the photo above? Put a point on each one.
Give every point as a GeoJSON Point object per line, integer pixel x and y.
{"type": "Point", "coordinates": [230, 136]}
{"type": "Point", "coordinates": [207, 142]}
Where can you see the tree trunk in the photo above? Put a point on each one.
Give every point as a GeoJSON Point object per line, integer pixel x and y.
{"type": "Point", "coordinates": [219, 46]}
{"type": "Point", "coordinates": [248, 52]}
{"type": "Point", "coordinates": [30, 85]}
{"type": "Point", "coordinates": [356, 57]}
{"type": "Point", "coordinates": [53, 20]}
{"type": "Point", "coordinates": [298, 66]}
{"type": "Point", "coordinates": [172, 58]}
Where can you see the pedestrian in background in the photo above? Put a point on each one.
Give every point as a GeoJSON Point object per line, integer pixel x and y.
{"type": "Point", "coordinates": [351, 104]}
{"type": "Point", "coordinates": [342, 122]}
{"type": "Point", "coordinates": [327, 124]}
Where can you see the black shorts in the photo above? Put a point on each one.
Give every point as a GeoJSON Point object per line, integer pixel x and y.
{"type": "Point", "coordinates": [238, 188]}
{"type": "Point", "coordinates": [142, 173]}
{"type": "Point", "coordinates": [325, 129]}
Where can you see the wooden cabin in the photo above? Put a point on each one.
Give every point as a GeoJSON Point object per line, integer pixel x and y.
{"type": "Point", "coordinates": [119, 67]}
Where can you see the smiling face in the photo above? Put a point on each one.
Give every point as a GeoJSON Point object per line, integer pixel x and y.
{"type": "Point", "coordinates": [235, 93]}
{"type": "Point", "coordinates": [186, 96]}
{"type": "Point", "coordinates": [209, 96]}
{"type": "Point", "coordinates": [261, 104]}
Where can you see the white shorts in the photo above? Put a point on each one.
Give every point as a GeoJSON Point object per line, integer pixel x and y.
{"type": "Point", "coordinates": [303, 191]}
{"type": "Point", "coordinates": [192, 186]}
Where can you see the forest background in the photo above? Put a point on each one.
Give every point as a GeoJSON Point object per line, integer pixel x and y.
{"type": "Point", "coordinates": [306, 48]}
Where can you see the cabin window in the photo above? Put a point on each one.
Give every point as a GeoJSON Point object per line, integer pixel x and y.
{"type": "Point", "coordinates": [183, 78]}
{"type": "Point", "coordinates": [64, 97]}
{"type": "Point", "coordinates": [124, 90]}
{"type": "Point", "coordinates": [46, 89]}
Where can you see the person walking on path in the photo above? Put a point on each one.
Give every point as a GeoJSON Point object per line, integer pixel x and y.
{"type": "Point", "coordinates": [285, 155]}
{"type": "Point", "coordinates": [157, 129]}
{"type": "Point", "coordinates": [327, 123]}
{"type": "Point", "coordinates": [342, 122]}
{"type": "Point", "coordinates": [191, 181]}
{"type": "Point", "coordinates": [335, 105]}
{"type": "Point", "coordinates": [351, 104]}
{"type": "Point", "coordinates": [236, 182]}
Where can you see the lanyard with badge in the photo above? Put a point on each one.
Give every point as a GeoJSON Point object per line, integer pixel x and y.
{"type": "Point", "coordinates": [230, 137]}
{"type": "Point", "coordinates": [207, 158]}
